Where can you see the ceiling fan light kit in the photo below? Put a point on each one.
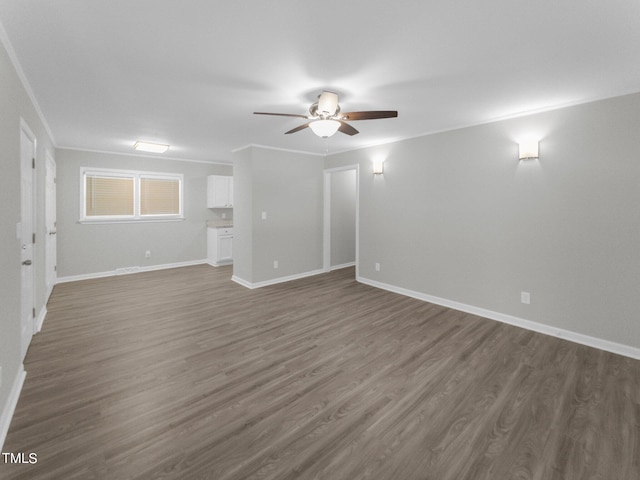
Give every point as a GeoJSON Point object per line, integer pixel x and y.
{"type": "Point", "coordinates": [324, 128]}
{"type": "Point", "coordinates": [326, 119]}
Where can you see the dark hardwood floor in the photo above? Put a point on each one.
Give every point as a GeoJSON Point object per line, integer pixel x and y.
{"type": "Point", "coordinates": [183, 374]}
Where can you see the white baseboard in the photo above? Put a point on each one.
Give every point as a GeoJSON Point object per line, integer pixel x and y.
{"type": "Point", "coordinates": [127, 271]}
{"type": "Point", "coordinates": [343, 265]}
{"type": "Point", "coordinates": [40, 319]}
{"type": "Point", "coordinates": [613, 347]}
{"type": "Point", "coordinates": [220, 264]}
{"type": "Point", "coordinates": [10, 406]}
{"type": "Point", "coordinates": [274, 281]}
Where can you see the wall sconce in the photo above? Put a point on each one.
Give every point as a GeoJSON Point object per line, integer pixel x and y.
{"type": "Point", "coordinates": [377, 167]}
{"type": "Point", "coordinates": [528, 150]}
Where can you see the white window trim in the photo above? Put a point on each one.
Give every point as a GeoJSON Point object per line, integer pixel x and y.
{"type": "Point", "coordinates": [135, 175]}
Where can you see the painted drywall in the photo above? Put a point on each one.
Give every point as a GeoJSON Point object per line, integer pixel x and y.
{"type": "Point", "coordinates": [15, 104]}
{"type": "Point", "coordinates": [287, 187]}
{"type": "Point", "coordinates": [456, 216]}
{"type": "Point", "coordinates": [243, 214]}
{"type": "Point", "coordinates": [343, 217]}
{"type": "Point", "coordinates": [86, 249]}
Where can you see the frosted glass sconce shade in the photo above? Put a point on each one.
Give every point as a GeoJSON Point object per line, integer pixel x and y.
{"type": "Point", "coordinates": [528, 150]}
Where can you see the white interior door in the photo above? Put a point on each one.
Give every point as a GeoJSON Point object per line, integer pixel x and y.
{"type": "Point", "coordinates": [26, 230]}
{"type": "Point", "coordinates": [50, 223]}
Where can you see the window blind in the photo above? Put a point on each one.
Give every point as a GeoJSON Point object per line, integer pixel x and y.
{"type": "Point", "coordinates": [159, 196]}
{"type": "Point", "coordinates": [109, 196]}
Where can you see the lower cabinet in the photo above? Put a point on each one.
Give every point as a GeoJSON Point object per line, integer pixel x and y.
{"type": "Point", "coordinates": [219, 246]}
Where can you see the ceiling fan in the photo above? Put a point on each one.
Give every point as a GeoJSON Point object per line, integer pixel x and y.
{"type": "Point", "coordinates": [325, 118]}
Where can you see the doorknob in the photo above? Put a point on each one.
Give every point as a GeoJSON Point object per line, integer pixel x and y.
{"type": "Point", "coordinates": [27, 262]}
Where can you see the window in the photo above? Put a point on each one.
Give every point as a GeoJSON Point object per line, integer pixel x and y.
{"type": "Point", "coordinates": [123, 195]}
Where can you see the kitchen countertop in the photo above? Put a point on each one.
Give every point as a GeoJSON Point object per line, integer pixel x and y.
{"type": "Point", "coordinates": [219, 223]}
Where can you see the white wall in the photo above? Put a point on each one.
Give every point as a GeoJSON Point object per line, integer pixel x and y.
{"type": "Point", "coordinates": [88, 249]}
{"type": "Point", "coordinates": [288, 187]}
{"type": "Point", "coordinates": [458, 217]}
{"type": "Point", "coordinates": [15, 104]}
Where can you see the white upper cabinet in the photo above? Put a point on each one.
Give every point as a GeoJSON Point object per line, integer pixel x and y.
{"type": "Point", "coordinates": [219, 191]}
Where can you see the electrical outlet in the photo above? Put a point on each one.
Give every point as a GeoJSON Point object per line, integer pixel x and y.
{"type": "Point", "coordinates": [264, 215]}
{"type": "Point", "coordinates": [275, 264]}
{"type": "Point", "coordinates": [147, 254]}
{"type": "Point", "coordinates": [377, 265]}
{"type": "Point", "coordinates": [525, 297]}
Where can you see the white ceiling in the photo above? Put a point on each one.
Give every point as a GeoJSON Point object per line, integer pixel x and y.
{"type": "Point", "coordinates": [189, 73]}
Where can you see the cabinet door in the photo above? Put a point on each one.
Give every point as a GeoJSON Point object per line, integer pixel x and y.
{"type": "Point", "coordinates": [230, 198]}
{"type": "Point", "coordinates": [219, 191]}
{"type": "Point", "coordinates": [225, 250]}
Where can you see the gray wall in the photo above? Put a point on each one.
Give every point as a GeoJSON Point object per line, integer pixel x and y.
{"type": "Point", "coordinates": [16, 104]}
{"type": "Point", "coordinates": [343, 217]}
{"type": "Point", "coordinates": [243, 214]}
{"type": "Point", "coordinates": [457, 216]}
{"type": "Point", "coordinates": [85, 249]}
{"type": "Point", "coordinates": [288, 187]}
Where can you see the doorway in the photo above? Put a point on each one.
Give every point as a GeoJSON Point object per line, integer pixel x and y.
{"type": "Point", "coordinates": [341, 211]}
{"type": "Point", "coordinates": [27, 236]}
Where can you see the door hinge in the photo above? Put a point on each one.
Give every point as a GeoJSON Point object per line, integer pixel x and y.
{"type": "Point", "coordinates": [34, 312]}
{"type": "Point", "coordinates": [33, 163]}
{"type": "Point", "coordinates": [34, 238]}
{"type": "Point", "coordinates": [55, 268]}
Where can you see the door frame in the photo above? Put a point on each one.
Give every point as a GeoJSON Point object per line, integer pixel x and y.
{"type": "Point", "coordinates": [326, 237]}
{"type": "Point", "coordinates": [50, 237]}
{"type": "Point", "coordinates": [26, 163]}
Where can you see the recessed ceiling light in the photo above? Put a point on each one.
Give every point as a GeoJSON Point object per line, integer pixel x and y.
{"type": "Point", "coordinates": [150, 147]}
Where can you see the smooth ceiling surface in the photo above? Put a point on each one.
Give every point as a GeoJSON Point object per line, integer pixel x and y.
{"type": "Point", "coordinates": [190, 73]}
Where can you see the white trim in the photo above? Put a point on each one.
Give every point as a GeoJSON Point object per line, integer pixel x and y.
{"type": "Point", "coordinates": [127, 270]}
{"type": "Point", "coordinates": [613, 347]}
{"type": "Point", "coordinates": [344, 265]}
{"type": "Point", "coordinates": [153, 219]}
{"type": "Point", "coordinates": [155, 157]}
{"type": "Point", "coordinates": [274, 281]}
{"type": "Point", "coordinates": [279, 149]}
{"type": "Point", "coordinates": [4, 39]}
{"type": "Point", "coordinates": [50, 289]}
{"type": "Point", "coordinates": [24, 129]}
{"type": "Point", "coordinates": [49, 160]}
{"type": "Point", "coordinates": [220, 264]}
{"type": "Point", "coordinates": [40, 319]}
{"type": "Point", "coordinates": [10, 407]}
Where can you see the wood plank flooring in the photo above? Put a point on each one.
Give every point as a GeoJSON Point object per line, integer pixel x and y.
{"type": "Point", "coordinates": [183, 374]}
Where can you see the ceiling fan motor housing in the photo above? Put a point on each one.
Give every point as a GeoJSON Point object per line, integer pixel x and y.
{"type": "Point", "coordinates": [326, 106]}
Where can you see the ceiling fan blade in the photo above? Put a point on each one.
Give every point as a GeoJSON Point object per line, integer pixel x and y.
{"type": "Point", "coordinates": [346, 128]}
{"type": "Point", "coordinates": [371, 115]}
{"type": "Point", "coordinates": [297, 129]}
{"type": "Point", "coordinates": [281, 114]}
